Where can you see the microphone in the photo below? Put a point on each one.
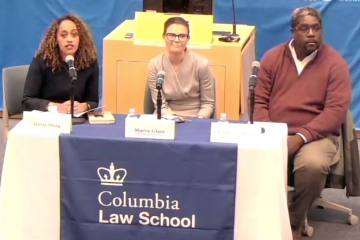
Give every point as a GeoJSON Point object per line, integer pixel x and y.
{"type": "Point", "coordinates": [160, 79]}
{"type": "Point", "coordinates": [252, 83]}
{"type": "Point", "coordinates": [73, 77]}
{"type": "Point", "coordinates": [72, 70]}
{"type": "Point", "coordinates": [253, 77]}
{"type": "Point", "coordinates": [159, 85]}
{"type": "Point", "coordinates": [233, 37]}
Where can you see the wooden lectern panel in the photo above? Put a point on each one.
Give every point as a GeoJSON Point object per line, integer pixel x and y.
{"type": "Point", "coordinates": [132, 87]}
{"type": "Point", "coordinates": [125, 67]}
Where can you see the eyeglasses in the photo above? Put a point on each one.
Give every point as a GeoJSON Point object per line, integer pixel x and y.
{"type": "Point", "coordinates": [306, 28]}
{"type": "Point", "coordinates": [173, 36]}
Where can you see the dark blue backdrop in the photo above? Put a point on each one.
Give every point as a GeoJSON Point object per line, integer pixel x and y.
{"type": "Point", "coordinates": [23, 23]}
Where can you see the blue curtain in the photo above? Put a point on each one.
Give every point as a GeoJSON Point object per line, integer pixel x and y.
{"type": "Point", "coordinates": [24, 22]}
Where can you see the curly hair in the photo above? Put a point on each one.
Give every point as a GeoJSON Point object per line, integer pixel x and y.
{"type": "Point", "coordinates": [86, 53]}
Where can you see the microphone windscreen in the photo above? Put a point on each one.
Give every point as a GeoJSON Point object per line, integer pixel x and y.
{"type": "Point", "coordinates": [255, 64]}
{"type": "Point", "coordinates": [161, 72]}
{"type": "Point", "coordinates": [69, 58]}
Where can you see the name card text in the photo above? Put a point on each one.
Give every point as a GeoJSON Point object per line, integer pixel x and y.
{"type": "Point", "coordinates": [232, 132]}
{"type": "Point", "coordinates": [150, 128]}
{"type": "Point", "coordinates": [57, 122]}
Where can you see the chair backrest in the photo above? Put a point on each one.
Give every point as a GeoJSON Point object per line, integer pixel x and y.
{"type": "Point", "coordinates": [341, 173]}
{"type": "Point", "coordinates": [13, 88]}
{"type": "Point", "coordinates": [214, 114]}
{"type": "Point", "coordinates": [149, 107]}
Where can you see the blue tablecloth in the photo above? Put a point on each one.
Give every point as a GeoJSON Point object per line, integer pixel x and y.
{"type": "Point", "coordinates": [165, 190]}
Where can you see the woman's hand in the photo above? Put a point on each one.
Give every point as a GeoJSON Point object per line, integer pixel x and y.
{"type": "Point", "coordinates": [61, 107]}
{"type": "Point", "coordinates": [78, 107]}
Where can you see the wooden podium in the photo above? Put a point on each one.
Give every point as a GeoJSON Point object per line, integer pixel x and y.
{"type": "Point", "coordinates": [125, 67]}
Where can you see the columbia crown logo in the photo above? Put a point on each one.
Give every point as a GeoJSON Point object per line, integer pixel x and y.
{"type": "Point", "coordinates": [111, 176]}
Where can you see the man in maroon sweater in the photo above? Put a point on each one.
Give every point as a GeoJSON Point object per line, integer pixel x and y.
{"type": "Point", "coordinates": [306, 84]}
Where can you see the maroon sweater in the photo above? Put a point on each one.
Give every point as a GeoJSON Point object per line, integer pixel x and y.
{"type": "Point", "coordinates": [313, 103]}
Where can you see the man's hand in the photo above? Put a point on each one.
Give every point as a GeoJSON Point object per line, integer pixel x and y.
{"type": "Point", "coordinates": [294, 144]}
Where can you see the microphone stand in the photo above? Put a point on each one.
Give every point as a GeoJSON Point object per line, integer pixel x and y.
{"type": "Point", "coordinates": [252, 104]}
{"type": "Point", "coordinates": [233, 37]}
{"type": "Point", "coordinates": [234, 34]}
{"type": "Point", "coordinates": [75, 120]}
{"type": "Point", "coordinates": [252, 84]}
{"type": "Point", "coordinates": [158, 104]}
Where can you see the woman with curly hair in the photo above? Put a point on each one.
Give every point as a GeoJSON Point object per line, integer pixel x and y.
{"type": "Point", "coordinates": [47, 86]}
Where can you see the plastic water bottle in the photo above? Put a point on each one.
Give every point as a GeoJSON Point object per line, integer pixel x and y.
{"type": "Point", "coordinates": [223, 118]}
{"type": "Point", "coordinates": [131, 113]}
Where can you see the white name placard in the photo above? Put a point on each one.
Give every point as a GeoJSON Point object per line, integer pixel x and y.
{"type": "Point", "coordinates": [232, 132]}
{"type": "Point", "coordinates": [150, 128]}
{"type": "Point", "coordinates": [61, 123]}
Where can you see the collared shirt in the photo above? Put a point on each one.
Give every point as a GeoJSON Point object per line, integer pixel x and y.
{"type": "Point", "coordinates": [300, 65]}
